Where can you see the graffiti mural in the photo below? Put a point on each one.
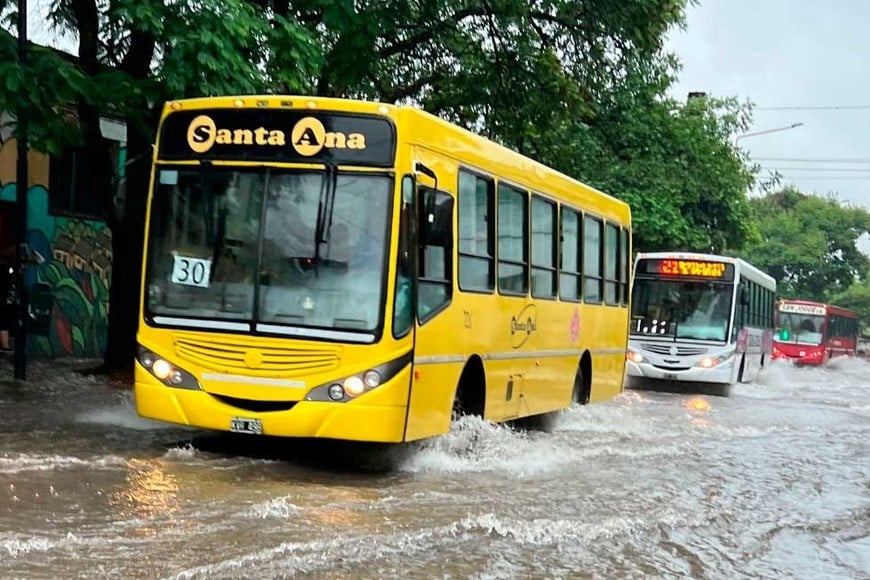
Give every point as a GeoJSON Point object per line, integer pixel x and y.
{"type": "Point", "coordinates": [72, 256]}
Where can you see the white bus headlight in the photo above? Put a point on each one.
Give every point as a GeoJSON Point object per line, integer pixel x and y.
{"type": "Point", "coordinates": [372, 379]}
{"type": "Point", "coordinates": [634, 357]}
{"type": "Point", "coordinates": [335, 392]}
{"type": "Point", "coordinates": [167, 373]}
{"type": "Point", "coordinates": [161, 369]}
{"type": "Point", "coordinates": [708, 362]}
{"type": "Point", "coordinates": [354, 386]}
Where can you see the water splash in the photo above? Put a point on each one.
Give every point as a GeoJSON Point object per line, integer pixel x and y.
{"type": "Point", "coordinates": [11, 463]}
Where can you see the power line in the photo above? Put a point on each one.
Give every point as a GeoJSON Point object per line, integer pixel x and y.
{"type": "Point", "coordinates": [828, 177]}
{"type": "Point", "coordinates": [819, 108]}
{"type": "Point", "coordinates": [837, 169]}
{"type": "Point", "coordinates": [815, 160]}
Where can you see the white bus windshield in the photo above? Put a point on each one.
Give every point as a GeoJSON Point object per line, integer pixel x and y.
{"type": "Point", "coordinates": [681, 309]}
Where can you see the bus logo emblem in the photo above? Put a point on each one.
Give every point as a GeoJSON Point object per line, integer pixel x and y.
{"type": "Point", "coordinates": [253, 359]}
{"type": "Point", "coordinates": [673, 351]}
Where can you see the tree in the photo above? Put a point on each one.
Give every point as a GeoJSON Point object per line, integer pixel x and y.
{"type": "Point", "coordinates": [856, 298]}
{"type": "Point", "coordinates": [809, 243]}
{"type": "Point", "coordinates": [674, 164]}
{"type": "Point", "coordinates": [577, 84]}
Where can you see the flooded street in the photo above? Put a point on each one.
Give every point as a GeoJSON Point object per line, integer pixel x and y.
{"type": "Point", "coordinates": [773, 481]}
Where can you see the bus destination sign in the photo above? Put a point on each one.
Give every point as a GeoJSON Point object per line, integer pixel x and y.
{"type": "Point", "coordinates": [811, 309]}
{"type": "Point", "coordinates": [291, 136]}
{"type": "Point", "coordinates": [692, 268]}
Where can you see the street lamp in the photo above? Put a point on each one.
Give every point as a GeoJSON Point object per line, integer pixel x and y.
{"type": "Point", "coordinates": [766, 131]}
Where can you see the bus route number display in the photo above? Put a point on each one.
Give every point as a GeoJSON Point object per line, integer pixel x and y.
{"type": "Point", "coordinates": [692, 268]}
{"type": "Point", "coordinates": [190, 271]}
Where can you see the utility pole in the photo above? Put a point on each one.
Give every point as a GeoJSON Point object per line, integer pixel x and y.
{"type": "Point", "coordinates": [21, 180]}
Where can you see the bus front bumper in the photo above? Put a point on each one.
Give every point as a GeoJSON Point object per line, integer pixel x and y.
{"type": "Point", "coordinates": [812, 359]}
{"type": "Point", "coordinates": [723, 373]}
{"type": "Point", "coordinates": [366, 418]}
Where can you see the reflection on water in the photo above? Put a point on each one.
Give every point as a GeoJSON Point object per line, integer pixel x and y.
{"type": "Point", "coordinates": [772, 481]}
{"type": "Point", "coordinates": [698, 408]}
{"type": "Point", "coordinates": [149, 493]}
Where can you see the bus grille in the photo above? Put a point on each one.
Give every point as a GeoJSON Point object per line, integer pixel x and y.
{"type": "Point", "coordinates": [255, 358]}
{"type": "Point", "coordinates": [666, 349]}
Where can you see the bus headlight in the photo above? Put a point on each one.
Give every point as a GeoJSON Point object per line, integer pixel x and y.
{"type": "Point", "coordinates": [634, 357]}
{"type": "Point", "coordinates": [335, 392]}
{"type": "Point", "coordinates": [708, 362]}
{"type": "Point", "coordinates": [164, 371]}
{"type": "Point", "coordinates": [352, 386]}
{"type": "Point", "coordinates": [372, 379]}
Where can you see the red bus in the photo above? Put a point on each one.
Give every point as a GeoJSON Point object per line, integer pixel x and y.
{"type": "Point", "coordinates": [811, 333]}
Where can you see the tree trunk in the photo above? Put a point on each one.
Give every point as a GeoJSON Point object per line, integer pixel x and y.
{"type": "Point", "coordinates": [128, 236]}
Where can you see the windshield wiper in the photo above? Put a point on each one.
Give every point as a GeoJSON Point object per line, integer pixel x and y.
{"type": "Point", "coordinates": [325, 209]}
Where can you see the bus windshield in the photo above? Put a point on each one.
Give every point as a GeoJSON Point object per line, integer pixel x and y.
{"type": "Point", "coordinates": [280, 247]}
{"type": "Point", "coordinates": [799, 328]}
{"type": "Point", "coordinates": [681, 309]}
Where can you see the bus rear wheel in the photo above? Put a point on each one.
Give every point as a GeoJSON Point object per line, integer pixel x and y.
{"type": "Point", "coordinates": [582, 384]}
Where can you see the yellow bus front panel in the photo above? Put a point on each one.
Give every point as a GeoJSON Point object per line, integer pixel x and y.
{"type": "Point", "coordinates": [377, 415]}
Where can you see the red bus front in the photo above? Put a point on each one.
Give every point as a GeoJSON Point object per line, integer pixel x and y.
{"type": "Point", "coordinates": [810, 333]}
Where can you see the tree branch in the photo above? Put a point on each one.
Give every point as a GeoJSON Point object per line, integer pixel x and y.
{"type": "Point", "coordinates": [430, 31]}
{"type": "Point", "coordinates": [87, 24]}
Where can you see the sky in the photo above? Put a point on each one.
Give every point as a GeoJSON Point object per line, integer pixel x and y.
{"type": "Point", "coordinates": [798, 63]}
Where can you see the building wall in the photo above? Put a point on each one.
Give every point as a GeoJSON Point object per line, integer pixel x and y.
{"type": "Point", "coordinates": [72, 255]}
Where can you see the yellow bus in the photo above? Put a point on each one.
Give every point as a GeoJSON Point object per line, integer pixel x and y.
{"type": "Point", "coordinates": [351, 270]}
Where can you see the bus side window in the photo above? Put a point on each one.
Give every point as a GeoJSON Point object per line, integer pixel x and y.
{"type": "Point", "coordinates": [435, 283]}
{"type": "Point", "coordinates": [403, 307]}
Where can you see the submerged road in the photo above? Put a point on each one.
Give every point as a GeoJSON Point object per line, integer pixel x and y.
{"type": "Point", "coordinates": [773, 481]}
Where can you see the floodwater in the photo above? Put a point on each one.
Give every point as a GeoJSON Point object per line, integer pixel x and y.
{"type": "Point", "coordinates": [771, 482]}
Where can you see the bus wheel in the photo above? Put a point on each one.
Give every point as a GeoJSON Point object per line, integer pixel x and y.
{"type": "Point", "coordinates": [470, 396]}
{"type": "Point", "coordinates": [577, 394]}
{"type": "Point", "coordinates": [583, 381]}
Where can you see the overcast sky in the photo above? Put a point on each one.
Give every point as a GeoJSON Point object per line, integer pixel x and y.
{"type": "Point", "coordinates": [803, 58]}
{"type": "Point", "coordinates": [798, 62]}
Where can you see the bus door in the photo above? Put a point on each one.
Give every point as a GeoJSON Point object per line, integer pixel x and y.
{"type": "Point", "coordinates": [431, 400]}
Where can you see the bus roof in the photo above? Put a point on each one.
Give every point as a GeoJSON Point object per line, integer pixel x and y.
{"type": "Point", "coordinates": [742, 266]}
{"type": "Point", "coordinates": [446, 138]}
{"type": "Point", "coordinates": [473, 149]}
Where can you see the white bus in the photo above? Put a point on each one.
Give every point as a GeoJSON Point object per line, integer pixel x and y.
{"type": "Point", "coordinates": [698, 318]}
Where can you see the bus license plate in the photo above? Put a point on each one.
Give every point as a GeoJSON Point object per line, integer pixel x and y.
{"type": "Point", "coordinates": [670, 377]}
{"type": "Point", "coordinates": [245, 425]}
